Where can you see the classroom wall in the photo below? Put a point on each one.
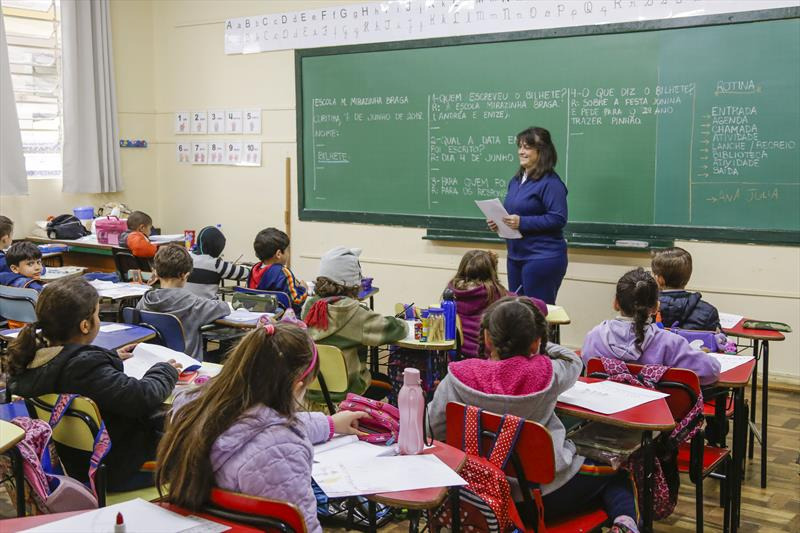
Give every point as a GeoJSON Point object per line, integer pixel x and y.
{"type": "Point", "coordinates": [191, 71]}
{"type": "Point", "coordinates": [132, 42]}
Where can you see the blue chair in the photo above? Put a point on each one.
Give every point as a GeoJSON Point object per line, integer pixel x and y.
{"type": "Point", "coordinates": [18, 304]}
{"type": "Point", "coordinates": [282, 297]}
{"type": "Point", "coordinates": [167, 327]}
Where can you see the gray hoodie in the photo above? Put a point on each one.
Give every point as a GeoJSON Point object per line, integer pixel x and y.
{"type": "Point", "coordinates": [525, 386]}
{"type": "Point", "coordinates": [193, 311]}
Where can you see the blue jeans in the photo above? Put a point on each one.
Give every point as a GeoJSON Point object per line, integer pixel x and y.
{"type": "Point", "coordinates": [615, 491]}
{"type": "Point", "coordinates": [539, 278]}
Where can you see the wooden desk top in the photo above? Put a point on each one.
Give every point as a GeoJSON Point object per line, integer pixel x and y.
{"type": "Point", "coordinates": [419, 345]}
{"type": "Point", "coordinates": [89, 243]}
{"type": "Point", "coordinates": [109, 340]}
{"type": "Point", "coordinates": [557, 315]}
{"type": "Point", "coordinates": [54, 273]}
{"type": "Point", "coordinates": [425, 498]}
{"type": "Point", "coordinates": [737, 377]}
{"type": "Point", "coordinates": [758, 334]}
{"type": "Point", "coordinates": [651, 416]}
{"type": "Point", "coordinates": [10, 435]}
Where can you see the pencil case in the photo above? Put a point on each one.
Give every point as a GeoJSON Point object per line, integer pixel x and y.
{"type": "Point", "coordinates": [773, 326]}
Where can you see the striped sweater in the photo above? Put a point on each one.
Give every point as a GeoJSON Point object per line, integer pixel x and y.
{"type": "Point", "coordinates": [208, 271]}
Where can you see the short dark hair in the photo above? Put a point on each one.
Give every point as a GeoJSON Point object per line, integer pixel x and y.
{"type": "Point", "coordinates": [6, 226]}
{"type": "Point", "coordinates": [513, 323]}
{"type": "Point", "coordinates": [172, 261]}
{"type": "Point", "coordinates": [22, 251]}
{"type": "Point", "coordinates": [674, 265]}
{"type": "Point", "coordinates": [137, 218]}
{"type": "Point", "coordinates": [538, 138]}
{"type": "Point", "coordinates": [268, 242]}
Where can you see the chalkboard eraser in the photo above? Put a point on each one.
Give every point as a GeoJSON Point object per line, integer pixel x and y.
{"type": "Point", "coordinates": [631, 244]}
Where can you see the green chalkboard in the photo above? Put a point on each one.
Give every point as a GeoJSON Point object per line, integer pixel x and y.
{"type": "Point", "coordinates": [689, 131]}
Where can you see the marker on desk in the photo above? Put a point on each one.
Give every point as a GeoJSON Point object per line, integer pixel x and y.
{"type": "Point", "coordinates": [631, 243]}
{"type": "Point", "coordinates": [119, 527]}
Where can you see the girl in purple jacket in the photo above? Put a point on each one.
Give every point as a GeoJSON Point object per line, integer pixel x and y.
{"type": "Point", "coordinates": [242, 432]}
{"type": "Point", "coordinates": [634, 337]}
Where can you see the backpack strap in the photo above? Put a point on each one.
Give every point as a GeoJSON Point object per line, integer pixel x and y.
{"type": "Point", "coordinates": [102, 441]}
{"type": "Point", "coordinates": [472, 431]}
{"type": "Point", "coordinates": [506, 440]}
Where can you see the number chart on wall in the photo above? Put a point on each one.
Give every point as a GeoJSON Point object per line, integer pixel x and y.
{"type": "Point", "coordinates": [691, 131]}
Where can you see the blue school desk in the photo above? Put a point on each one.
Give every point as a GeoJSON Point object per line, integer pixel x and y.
{"type": "Point", "coordinates": [109, 340]}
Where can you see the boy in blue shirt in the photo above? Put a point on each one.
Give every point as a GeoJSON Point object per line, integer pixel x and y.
{"type": "Point", "coordinates": [6, 237]}
{"type": "Point", "coordinates": [25, 262]}
{"type": "Point", "coordinates": [271, 272]}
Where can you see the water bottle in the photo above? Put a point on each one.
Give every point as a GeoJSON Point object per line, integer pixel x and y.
{"type": "Point", "coordinates": [449, 307]}
{"type": "Point", "coordinates": [411, 402]}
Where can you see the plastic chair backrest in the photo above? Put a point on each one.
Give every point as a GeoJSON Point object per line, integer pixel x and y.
{"type": "Point", "coordinates": [682, 385]}
{"type": "Point", "coordinates": [269, 515]}
{"type": "Point", "coordinates": [534, 449]}
{"type": "Point", "coordinates": [282, 297]}
{"type": "Point", "coordinates": [79, 426]}
{"type": "Point", "coordinates": [18, 304]}
{"type": "Point", "coordinates": [168, 327]}
{"type": "Point", "coordinates": [124, 261]}
{"type": "Point", "coordinates": [333, 368]}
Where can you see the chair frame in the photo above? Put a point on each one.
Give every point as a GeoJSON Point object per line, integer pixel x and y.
{"type": "Point", "coordinates": [7, 293]}
{"type": "Point", "coordinates": [240, 508]}
{"type": "Point", "coordinates": [132, 315]}
{"type": "Point", "coordinates": [534, 463]}
{"type": "Point", "coordinates": [323, 385]}
{"type": "Point", "coordinates": [686, 382]}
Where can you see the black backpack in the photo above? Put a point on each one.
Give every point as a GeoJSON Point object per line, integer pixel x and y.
{"type": "Point", "coordinates": [66, 227]}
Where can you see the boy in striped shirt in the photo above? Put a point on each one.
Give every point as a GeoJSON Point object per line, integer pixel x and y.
{"type": "Point", "coordinates": [208, 267]}
{"type": "Point", "coordinates": [271, 273]}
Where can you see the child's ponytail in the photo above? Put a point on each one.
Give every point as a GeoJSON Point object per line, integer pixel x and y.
{"type": "Point", "coordinates": [514, 323]}
{"type": "Point", "coordinates": [22, 350]}
{"type": "Point", "coordinates": [637, 296]}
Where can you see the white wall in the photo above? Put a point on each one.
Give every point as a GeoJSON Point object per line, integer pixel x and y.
{"type": "Point", "coordinates": [189, 70]}
{"type": "Point", "coordinates": [132, 42]}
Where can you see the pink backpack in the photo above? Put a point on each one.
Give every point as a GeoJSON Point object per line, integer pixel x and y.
{"type": "Point", "coordinates": [383, 419]}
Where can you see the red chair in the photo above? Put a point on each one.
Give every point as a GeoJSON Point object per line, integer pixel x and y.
{"type": "Point", "coordinates": [694, 458]}
{"type": "Point", "coordinates": [532, 464]}
{"type": "Point", "coordinates": [268, 515]}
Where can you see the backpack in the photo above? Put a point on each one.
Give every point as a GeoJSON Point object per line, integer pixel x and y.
{"type": "Point", "coordinates": [383, 419]}
{"type": "Point", "coordinates": [66, 227]}
{"type": "Point", "coordinates": [52, 492]}
{"type": "Point", "coordinates": [486, 503]}
{"type": "Point", "coordinates": [666, 479]}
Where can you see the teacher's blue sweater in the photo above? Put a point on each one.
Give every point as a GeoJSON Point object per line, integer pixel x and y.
{"type": "Point", "coordinates": [542, 208]}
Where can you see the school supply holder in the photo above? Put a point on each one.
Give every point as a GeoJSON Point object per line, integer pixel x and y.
{"type": "Point", "coordinates": [605, 443]}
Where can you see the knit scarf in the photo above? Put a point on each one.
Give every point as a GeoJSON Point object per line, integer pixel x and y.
{"type": "Point", "coordinates": [317, 316]}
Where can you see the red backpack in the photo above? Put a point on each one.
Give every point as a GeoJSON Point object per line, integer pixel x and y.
{"type": "Point", "coordinates": [486, 502]}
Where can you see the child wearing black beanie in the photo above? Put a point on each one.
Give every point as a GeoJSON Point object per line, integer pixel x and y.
{"type": "Point", "coordinates": [209, 267]}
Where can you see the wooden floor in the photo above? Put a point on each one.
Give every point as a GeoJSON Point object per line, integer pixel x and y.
{"type": "Point", "coordinates": [771, 510]}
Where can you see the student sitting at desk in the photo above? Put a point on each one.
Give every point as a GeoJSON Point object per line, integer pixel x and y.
{"type": "Point", "coordinates": [173, 265]}
{"type": "Point", "coordinates": [634, 337]}
{"type": "Point", "coordinates": [336, 317]}
{"type": "Point", "coordinates": [518, 379]}
{"type": "Point", "coordinates": [6, 238]}
{"type": "Point", "coordinates": [137, 238]}
{"type": "Point", "coordinates": [208, 267]}
{"type": "Point", "coordinates": [25, 262]}
{"type": "Point", "coordinates": [61, 359]}
{"type": "Point", "coordinates": [242, 432]}
{"type": "Point", "coordinates": [271, 273]}
{"type": "Point", "coordinates": [672, 268]}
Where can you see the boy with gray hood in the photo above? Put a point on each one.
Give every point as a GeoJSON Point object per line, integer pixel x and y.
{"type": "Point", "coordinates": [173, 264]}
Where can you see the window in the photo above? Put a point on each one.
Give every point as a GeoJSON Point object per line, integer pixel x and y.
{"type": "Point", "coordinates": [34, 52]}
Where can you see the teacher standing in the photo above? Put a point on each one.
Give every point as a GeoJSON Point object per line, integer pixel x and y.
{"type": "Point", "coordinates": [537, 205]}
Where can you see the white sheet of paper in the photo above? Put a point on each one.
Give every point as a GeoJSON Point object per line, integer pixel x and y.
{"type": "Point", "coordinates": [384, 474]}
{"type": "Point", "coordinates": [728, 361]}
{"type": "Point", "coordinates": [61, 272]}
{"type": "Point", "coordinates": [140, 516]}
{"type": "Point", "coordinates": [346, 449]}
{"type": "Point", "coordinates": [608, 397]}
{"type": "Point", "coordinates": [172, 237]}
{"type": "Point", "coordinates": [242, 315]}
{"type": "Point", "coordinates": [728, 320]}
{"type": "Point", "coordinates": [146, 355]}
{"type": "Point", "coordinates": [12, 335]}
{"type": "Point", "coordinates": [110, 328]}
{"type": "Point", "coordinates": [494, 211]}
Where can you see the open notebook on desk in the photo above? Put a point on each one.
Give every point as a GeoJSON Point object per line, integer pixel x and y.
{"type": "Point", "coordinates": [608, 397]}
{"type": "Point", "coordinates": [146, 355]}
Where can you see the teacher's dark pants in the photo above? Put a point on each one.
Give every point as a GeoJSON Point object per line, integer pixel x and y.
{"type": "Point", "coordinates": [539, 278]}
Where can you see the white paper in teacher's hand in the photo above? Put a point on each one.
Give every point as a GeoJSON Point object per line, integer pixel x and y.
{"type": "Point", "coordinates": [493, 210]}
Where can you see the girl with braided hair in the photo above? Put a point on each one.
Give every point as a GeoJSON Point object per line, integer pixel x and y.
{"type": "Point", "coordinates": [520, 373]}
{"type": "Point", "coordinates": [634, 337]}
